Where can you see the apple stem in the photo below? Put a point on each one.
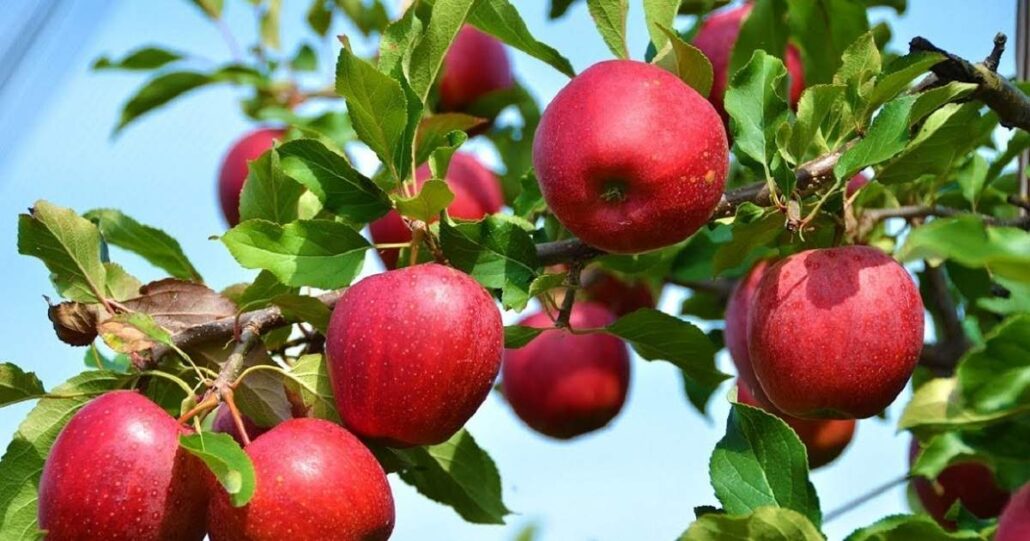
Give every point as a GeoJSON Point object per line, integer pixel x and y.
{"type": "Point", "coordinates": [572, 281]}
{"type": "Point", "coordinates": [208, 403]}
{"type": "Point", "coordinates": [237, 418]}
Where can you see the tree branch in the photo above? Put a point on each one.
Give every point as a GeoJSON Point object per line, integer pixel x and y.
{"type": "Point", "coordinates": [870, 217]}
{"type": "Point", "coordinates": [952, 343]}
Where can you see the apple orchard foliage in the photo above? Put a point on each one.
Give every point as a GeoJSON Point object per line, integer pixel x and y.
{"type": "Point", "coordinates": [304, 204]}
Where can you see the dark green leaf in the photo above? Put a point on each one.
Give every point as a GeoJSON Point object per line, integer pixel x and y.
{"type": "Point", "coordinates": [996, 376]}
{"type": "Point", "coordinates": [610, 18]}
{"type": "Point", "coordinates": [304, 308]}
{"type": "Point", "coordinates": [17, 385]}
{"type": "Point", "coordinates": [445, 20]}
{"type": "Point", "coordinates": [655, 336]}
{"type": "Point", "coordinates": [814, 109]}
{"type": "Point", "coordinates": [761, 462]}
{"type": "Point", "coordinates": [909, 527]}
{"type": "Point", "coordinates": [931, 100]}
{"type": "Point", "coordinates": [887, 137]}
{"type": "Point", "coordinates": [260, 293]}
{"type": "Point", "coordinates": [268, 194]}
{"type": "Point", "coordinates": [751, 241]}
{"type": "Point", "coordinates": [765, 524]}
{"type": "Point", "coordinates": [159, 91]}
{"type": "Point", "coordinates": [530, 201]}
{"type": "Point", "coordinates": [860, 64]}
{"type": "Point", "coordinates": [397, 43]}
{"type": "Point", "coordinates": [306, 59]}
{"type": "Point", "coordinates": [150, 243]}
{"type": "Point", "coordinates": [226, 460]}
{"type": "Point", "coordinates": [500, 19]}
{"type": "Point", "coordinates": [898, 75]}
{"type": "Point", "coordinates": [757, 108]}
{"type": "Point", "coordinates": [823, 30]}
{"type": "Point", "coordinates": [320, 17]}
{"type": "Point", "coordinates": [69, 246]}
{"type": "Point", "coordinates": [1004, 251]}
{"type": "Point", "coordinates": [944, 136]}
{"type": "Point", "coordinates": [315, 253]}
{"type": "Point", "coordinates": [145, 58]}
{"type": "Point", "coordinates": [368, 16]}
{"type": "Point", "coordinates": [341, 189]}
{"type": "Point", "coordinates": [497, 252]}
{"type": "Point", "coordinates": [516, 336]}
{"type": "Point", "coordinates": [458, 473]}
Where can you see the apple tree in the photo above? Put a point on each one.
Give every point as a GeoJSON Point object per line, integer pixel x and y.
{"type": "Point", "coordinates": [821, 197]}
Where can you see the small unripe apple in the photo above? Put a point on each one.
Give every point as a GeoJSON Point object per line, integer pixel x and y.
{"type": "Point", "coordinates": [738, 311]}
{"type": "Point", "coordinates": [630, 158]}
{"type": "Point", "coordinates": [716, 38]}
{"type": "Point", "coordinates": [824, 439]}
{"type": "Point", "coordinates": [116, 472]}
{"type": "Point", "coordinates": [620, 296]}
{"type": "Point", "coordinates": [1014, 524]}
{"type": "Point", "coordinates": [477, 193]}
{"type": "Point", "coordinates": [835, 333]}
{"type": "Point", "coordinates": [314, 481]}
{"type": "Point", "coordinates": [562, 384]}
{"type": "Point", "coordinates": [225, 424]}
{"type": "Point", "coordinates": [234, 168]}
{"type": "Point", "coordinates": [855, 184]}
{"type": "Point", "coordinates": [971, 483]}
{"type": "Point", "coordinates": [475, 65]}
{"type": "Point", "coordinates": [413, 353]}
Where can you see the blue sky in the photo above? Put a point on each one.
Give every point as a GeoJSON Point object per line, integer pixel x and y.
{"type": "Point", "coordinates": [639, 479]}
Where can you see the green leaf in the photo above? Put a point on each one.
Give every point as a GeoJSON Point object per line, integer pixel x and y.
{"type": "Point", "coordinates": [757, 108]}
{"type": "Point", "coordinates": [341, 188]}
{"type": "Point", "coordinates": [765, 524]}
{"type": "Point", "coordinates": [440, 159]}
{"type": "Point", "coordinates": [304, 308]}
{"type": "Point", "coordinates": [610, 18]}
{"type": "Point", "coordinates": [495, 251]}
{"type": "Point", "coordinates": [516, 336]}
{"type": "Point", "coordinates": [144, 58]}
{"type": "Point", "coordinates": [908, 527]}
{"type": "Point", "coordinates": [69, 246]}
{"type": "Point", "coordinates": [656, 335]}
{"type": "Point", "coordinates": [815, 107]}
{"type": "Point", "coordinates": [996, 376]}
{"type": "Point", "coordinates": [426, 206]}
{"type": "Point", "coordinates": [309, 377]}
{"type": "Point", "coordinates": [887, 137]}
{"type": "Point", "coordinates": [823, 30]}
{"type": "Point", "coordinates": [530, 201]}
{"type": "Point", "coordinates": [434, 131]}
{"type": "Point", "coordinates": [211, 8]}
{"type": "Point", "coordinates": [306, 59]}
{"type": "Point", "coordinates": [898, 75]}
{"type": "Point", "coordinates": [397, 43]}
{"type": "Point", "coordinates": [260, 293]}
{"type": "Point", "coordinates": [96, 360]}
{"type": "Point", "coordinates": [500, 19]}
{"type": "Point", "coordinates": [320, 17]}
{"type": "Point", "coordinates": [270, 24]}
{"type": "Point", "coordinates": [445, 20]}
{"type": "Point", "coordinates": [944, 136]}
{"type": "Point", "coordinates": [972, 178]}
{"type": "Point", "coordinates": [315, 253]}
{"type": "Point", "coordinates": [159, 91]}
{"type": "Point", "coordinates": [22, 463]}
{"type": "Point", "coordinates": [226, 460]}
{"type": "Point", "coordinates": [133, 332]}
{"type": "Point", "coordinates": [761, 462]}
{"type": "Point", "coordinates": [931, 100]}
{"type": "Point", "coordinates": [939, 453]}
{"type": "Point", "coordinates": [268, 194]}
{"type": "Point", "coordinates": [546, 282]}
{"type": "Point", "coordinates": [379, 110]}
{"type": "Point", "coordinates": [659, 14]}
{"type": "Point", "coordinates": [120, 284]}
{"type": "Point", "coordinates": [686, 62]}
{"type": "Point", "coordinates": [150, 243]}
{"type": "Point", "coordinates": [937, 406]}
{"type": "Point", "coordinates": [460, 474]}
{"type": "Point", "coordinates": [17, 385]}
{"type": "Point", "coordinates": [368, 16]}
{"type": "Point", "coordinates": [752, 239]}
{"type": "Point", "coordinates": [1005, 251]}
{"type": "Point", "coordinates": [860, 64]}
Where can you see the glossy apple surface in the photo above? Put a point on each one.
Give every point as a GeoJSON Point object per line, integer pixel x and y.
{"type": "Point", "coordinates": [1014, 524]}
{"type": "Point", "coordinates": [233, 173]}
{"type": "Point", "coordinates": [475, 65]}
{"type": "Point", "coordinates": [971, 483]}
{"type": "Point", "coordinates": [738, 311]}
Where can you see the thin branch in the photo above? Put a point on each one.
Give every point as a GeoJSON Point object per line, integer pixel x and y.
{"type": "Point", "coordinates": [952, 342]}
{"type": "Point", "coordinates": [875, 492]}
{"type": "Point", "coordinates": [871, 217]}
{"type": "Point", "coordinates": [572, 281]}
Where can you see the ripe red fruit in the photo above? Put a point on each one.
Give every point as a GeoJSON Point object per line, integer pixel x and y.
{"type": "Point", "coordinates": [475, 65]}
{"type": "Point", "coordinates": [620, 296]}
{"type": "Point", "coordinates": [738, 310]}
{"type": "Point", "coordinates": [477, 193]}
{"type": "Point", "coordinates": [314, 481]}
{"type": "Point", "coordinates": [971, 483]}
{"type": "Point", "coordinates": [855, 184]}
{"type": "Point", "coordinates": [835, 332]}
{"type": "Point", "coordinates": [234, 169]}
{"type": "Point", "coordinates": [630, 158]}
{"type": "Point", "coordinates": [563, 385]}
{"type": "Point", "coordinates": [825, 439]}
{"type": "Point", "coordinates": [1014, 524]}
{"type": "Point", "coordinates": [413, 353]}
{"type": "Point", "coordinates": [225, 424]}
{"type": "Point", "coordinates": [116, 472]}
{"type": "Point", "coordinates": [716, 38]}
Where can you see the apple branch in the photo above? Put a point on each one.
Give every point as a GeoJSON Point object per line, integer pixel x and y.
{"type": "Point", "coordinates": [952, 342]}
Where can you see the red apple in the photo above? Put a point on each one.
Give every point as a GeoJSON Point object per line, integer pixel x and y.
{"type": "Point", "coordinates": [314, 481]}
{"type": "Point", "coordinates": [475, 65]}
{"type": "Point", "coordinates": [835, 332]}
{"type": "Point", "coordinates": [413, 353]}
{"type": "Point", "coordinates": [116, 472]}
{"type": "Point", "coordinates": [234, 168]}
{"type": "Point", "coordinates": [225, 424]}
{"type": "Point", "coordinates": [563, 384]}
{"type": "Point", "coordinates": [1014, 524]}
{"type": "Point", "coordinates": [477, 193]}
{"type": "Point", "coordinates": [716, 38]}
{"type": "Point", "coordinates": [855, 184]}
{"type": "Point", "coordinates": [619, 295]}
{"type": "Point", "coordinates": [971, 483]}
{"type": "Point", "coordinates": [630, 158]}
{"type": "Point", "coordinates": [824, 439]}
{"type": "Point", "coordinates": [738, 310]}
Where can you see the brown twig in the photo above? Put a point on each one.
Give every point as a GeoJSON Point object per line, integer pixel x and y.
{"type": "Point", "coordinates": [952, 343]}
{"type": "Point", "coordinates": [871, 217]}
{"type": "Point", "coordinates": [572, 281]}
